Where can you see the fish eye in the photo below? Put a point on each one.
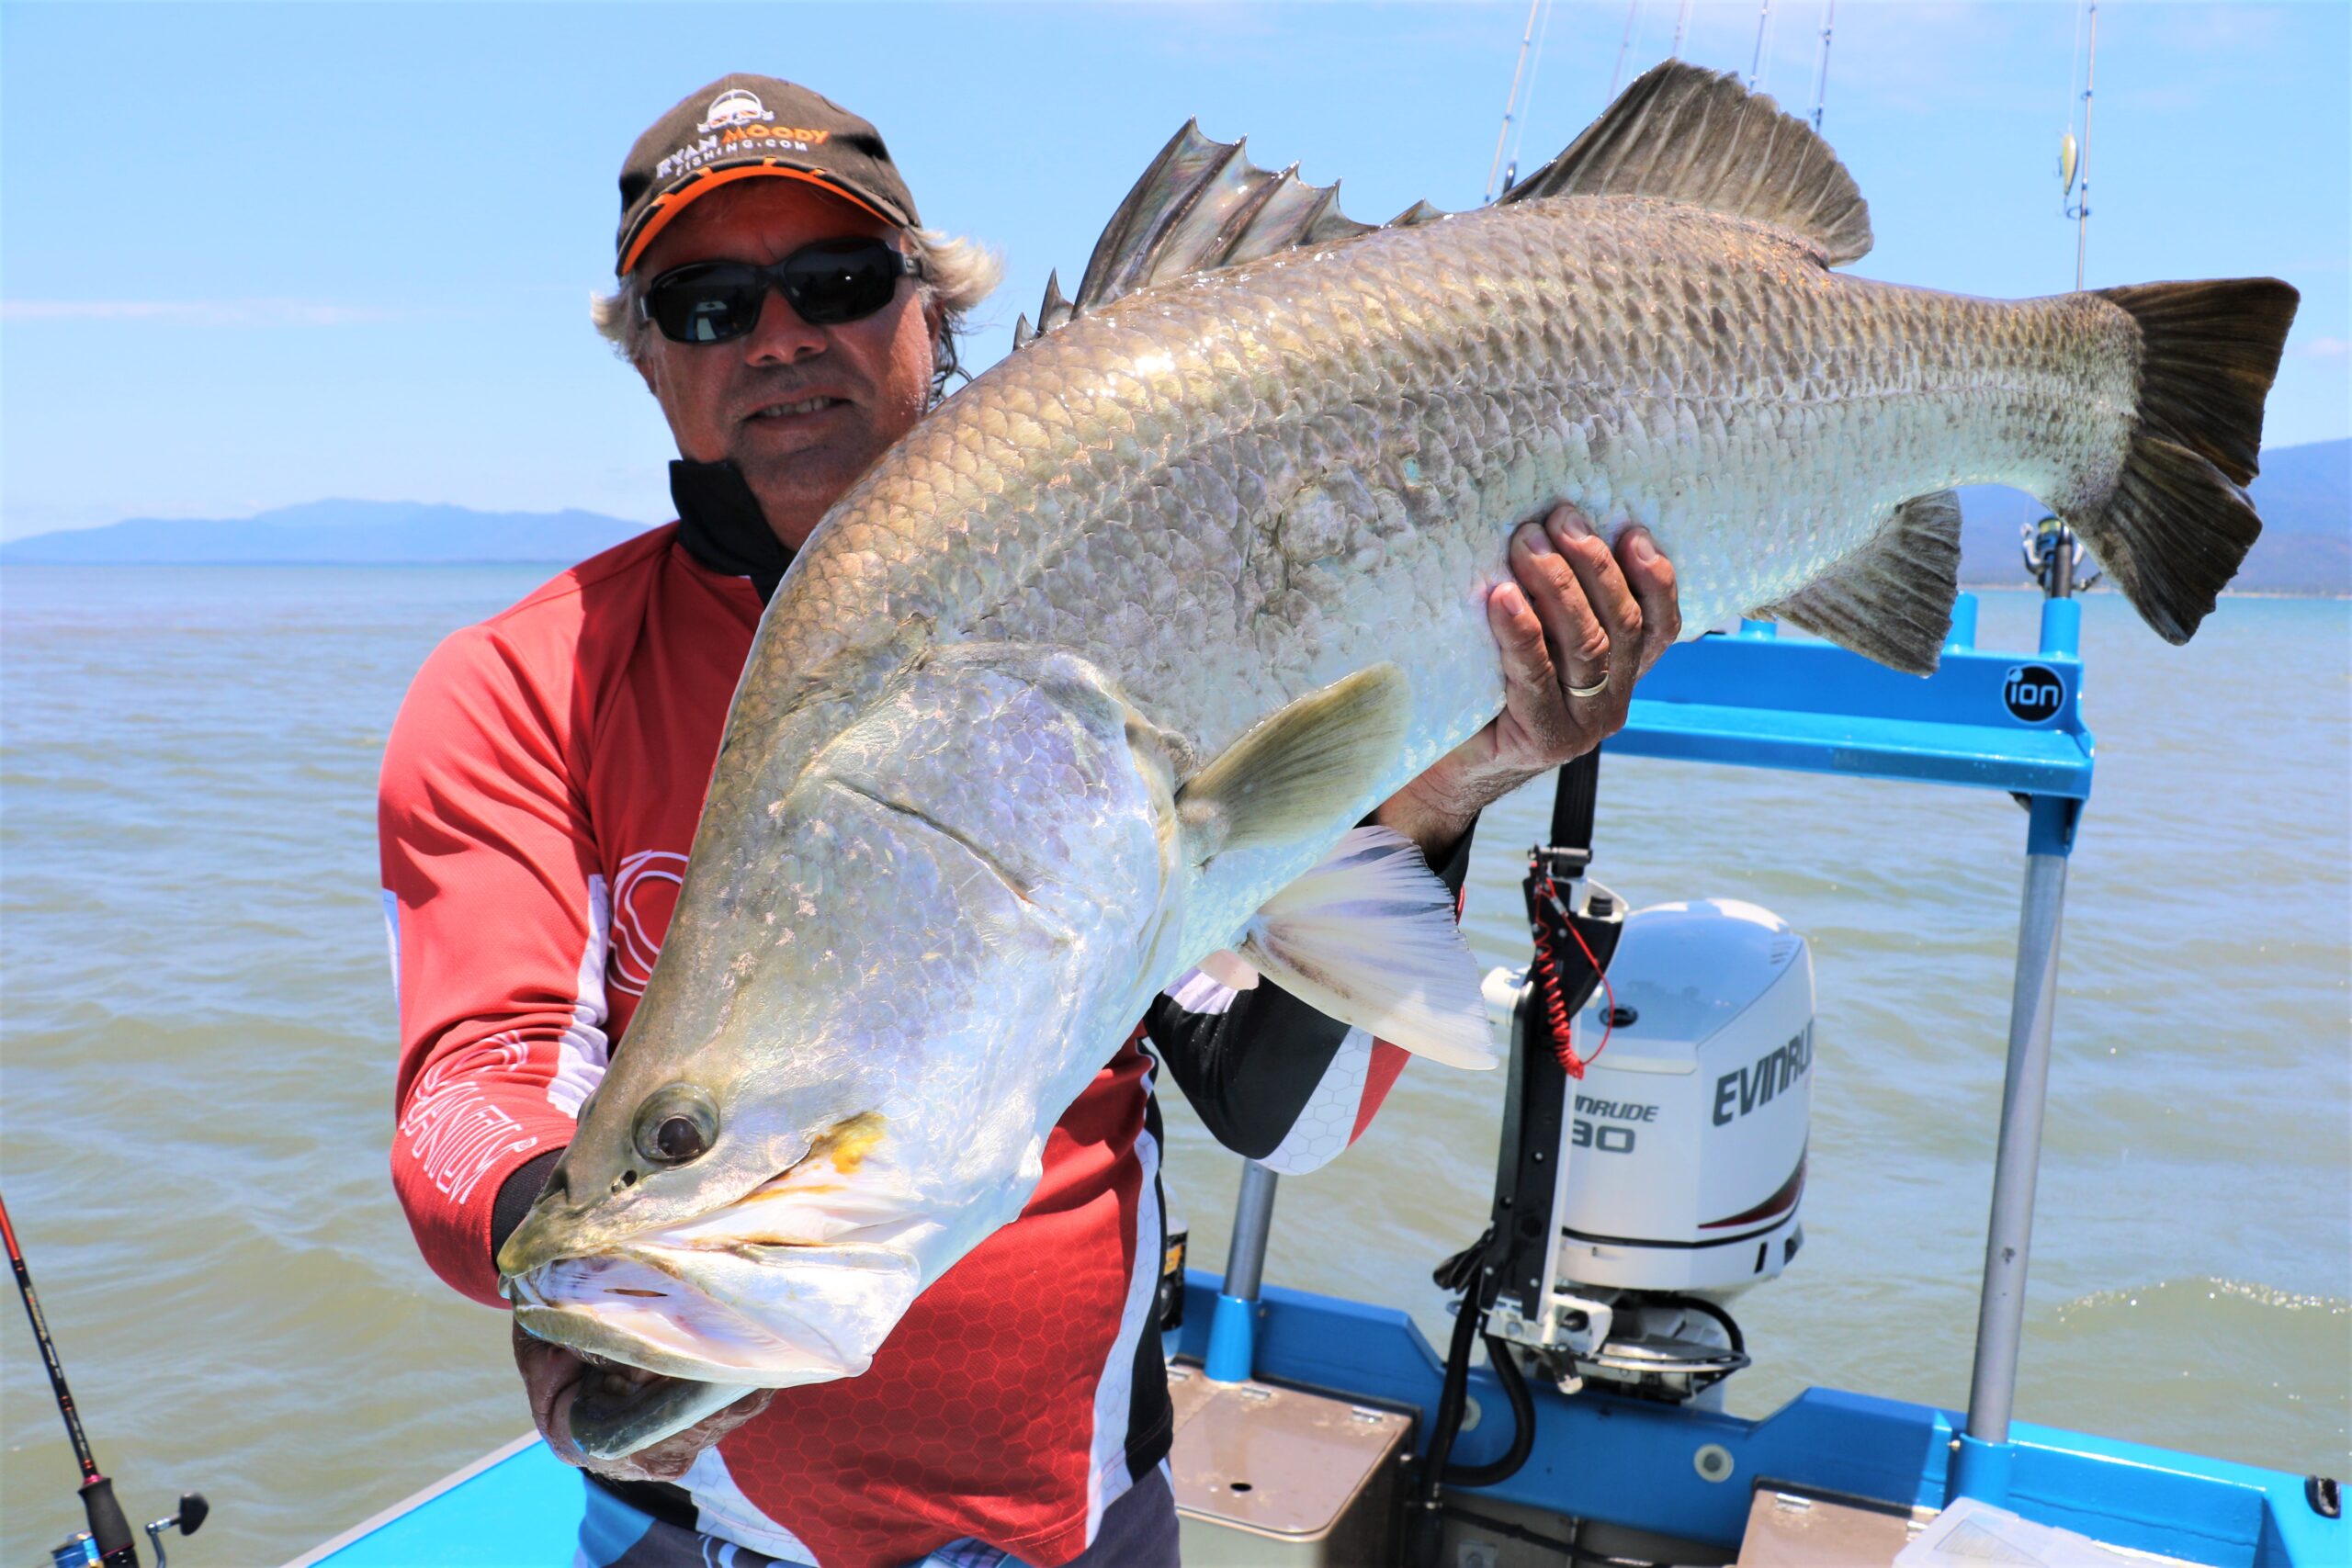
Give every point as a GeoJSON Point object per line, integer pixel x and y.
{"type": "Point", "coordinates": [676, 1124]}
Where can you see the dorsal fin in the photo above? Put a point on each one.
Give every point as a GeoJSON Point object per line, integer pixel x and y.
{"type": "Point", "coordinates": [1420, 213]}
{"type": "Point", "coordinates": [1055, 310]}
{"type": "Point", "coordinates": [1688, 134]}
{"type": "Point", "coordinates": [1202, 204]}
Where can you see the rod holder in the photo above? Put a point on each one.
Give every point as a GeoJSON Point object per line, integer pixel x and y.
{"type": "Point", "coordinates": [1963, 624]}
{"type": "Point", "coordinates": [2061, 627]}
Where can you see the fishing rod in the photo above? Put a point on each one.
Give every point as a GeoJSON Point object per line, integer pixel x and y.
{"type": "Point", "coordinates": [1510, 104]}
{"type": "Point", "coordinates": [1623, 45]}
{"type": "Point", "coordinates": [2050, 551]}
{"type": "Point", "coordinates": [109, 1534]}
{"type": "Point", "coordinates": [2083, 207]}
{"type": "Point", "coordinates": [1821, 72]}
{"type": "Point", "coordinates": [1763, 26]}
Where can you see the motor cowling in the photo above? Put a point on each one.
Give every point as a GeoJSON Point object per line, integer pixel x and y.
{"type": "Point", "coordinates": [1685, 1164]}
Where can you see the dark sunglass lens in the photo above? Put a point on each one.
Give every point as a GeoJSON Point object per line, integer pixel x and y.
{"type": "Point", "coordinates": [707, 308]}
{"type": "Point", "coordinates": [829, 286]}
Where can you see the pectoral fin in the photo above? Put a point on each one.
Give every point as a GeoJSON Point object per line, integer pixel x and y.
{"type": "Point", "coordinates": [1299, 769]}
{"type": "Point", "coordinates": [1369, 937]}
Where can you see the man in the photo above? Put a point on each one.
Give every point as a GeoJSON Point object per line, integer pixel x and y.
{"type": "Point", "coordinates": [541, 788]}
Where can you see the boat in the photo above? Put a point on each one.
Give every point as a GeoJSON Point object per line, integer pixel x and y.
{"type": "Point", "coordinates": [1313, 1429]}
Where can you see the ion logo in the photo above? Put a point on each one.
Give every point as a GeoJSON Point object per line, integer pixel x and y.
{"type": "Point", "coordinates": [2033, 693]}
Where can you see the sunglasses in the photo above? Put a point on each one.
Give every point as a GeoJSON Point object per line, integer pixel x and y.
{"type": "Point", "coordinates": [831, 283]}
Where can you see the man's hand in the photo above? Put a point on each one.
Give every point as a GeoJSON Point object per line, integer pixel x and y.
{"type": "Point", "coordinates": [1574, 616]}
{"type": "Point", "coordinates": [552, 1376]}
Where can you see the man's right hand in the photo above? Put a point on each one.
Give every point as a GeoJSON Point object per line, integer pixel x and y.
{"type": "Point", "coordinates": [552, 1376]}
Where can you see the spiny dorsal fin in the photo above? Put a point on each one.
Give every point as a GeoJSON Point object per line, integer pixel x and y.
{"type": "Point", "coordinates": [1686, 134]}
{"type": "Point", "coordinates": [1055, 309]}
{"type": "Point", "coordinates": [1202, 204]}
{"type": "Point", "coordinates": [1891, 600]}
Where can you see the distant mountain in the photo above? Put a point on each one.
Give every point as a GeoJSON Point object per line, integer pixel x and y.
{"type": "Point", "coordinates": [333, 532]}
{"type": "Point", "coordinates": [2304, 494]}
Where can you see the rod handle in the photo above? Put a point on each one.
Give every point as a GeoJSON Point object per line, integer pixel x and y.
{"type": "Point", "coordinates": [109, 1531]}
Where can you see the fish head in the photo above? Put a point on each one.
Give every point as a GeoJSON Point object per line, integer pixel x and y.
{"type": "Point", "coordinates": [821, 1104]}
{"type": "Point", "coordinates": [690, 1166]}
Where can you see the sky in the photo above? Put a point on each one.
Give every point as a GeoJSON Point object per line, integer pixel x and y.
{"type": "Point", "coordinates": [258, 255]}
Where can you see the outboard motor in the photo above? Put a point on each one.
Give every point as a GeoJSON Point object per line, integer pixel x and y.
{"type": "Point", "coordinates": [1652, 1151]}
{"type": "Point", "coordinates": [1668, 1162]}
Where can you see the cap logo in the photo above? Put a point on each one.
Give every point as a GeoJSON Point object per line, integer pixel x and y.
{"type": "Point", "coordinates": [745, 138]}
{"type": "Point", "coordinates": [734, 106]}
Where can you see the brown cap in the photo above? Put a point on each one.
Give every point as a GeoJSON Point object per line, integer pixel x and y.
{"type": "Point", "coordinates": [741, 126]}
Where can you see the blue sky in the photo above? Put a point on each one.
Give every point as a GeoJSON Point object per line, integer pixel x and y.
{"type": "Point", "coordinates": [251, 255]}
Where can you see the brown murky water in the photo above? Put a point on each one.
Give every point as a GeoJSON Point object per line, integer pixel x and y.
{"type": "Point", "coordinates": [196, 1067]}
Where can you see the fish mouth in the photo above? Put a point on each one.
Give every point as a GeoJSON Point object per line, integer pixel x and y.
{"type": "Point", "coordinates": [701, 1334]}
{"type": "Point", "coordinates": [761, 1316]}
{"type": "Point", "coordinates": [615, 1415]}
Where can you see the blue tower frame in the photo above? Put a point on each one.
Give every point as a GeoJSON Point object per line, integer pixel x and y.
{"type": "Point", "coordinates": [1984, 720]}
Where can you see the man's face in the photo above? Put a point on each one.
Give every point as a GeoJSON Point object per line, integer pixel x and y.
{"type": "Point", "coordinates": [802, 410]}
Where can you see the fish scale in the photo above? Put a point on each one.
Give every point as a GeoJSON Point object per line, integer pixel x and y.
{"type": "Point", "coordinates": [1086, 678]}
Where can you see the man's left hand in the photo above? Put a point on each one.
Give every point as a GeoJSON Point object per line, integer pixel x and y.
{"type": "Point", "coordinates": [1574, 616]}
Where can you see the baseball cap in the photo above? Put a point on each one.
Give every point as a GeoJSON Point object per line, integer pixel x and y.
{"type": "Point", "coordinates": [741, 127]}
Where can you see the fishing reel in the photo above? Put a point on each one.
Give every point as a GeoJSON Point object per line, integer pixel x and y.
{"type": "Point", "coordinates": [2049, 547]}
{"type": "Point", "coordinates": [82, 1549]}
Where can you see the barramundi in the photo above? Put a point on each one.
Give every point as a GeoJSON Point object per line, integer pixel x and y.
{"type": "Point", "coordinates": [1090, 680]}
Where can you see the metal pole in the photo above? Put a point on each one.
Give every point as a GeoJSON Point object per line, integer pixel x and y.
{"type": "Point", "coordinates": [1253, 1221]}
{"type": "Point", "coordinates": [1233, 1328]}
{"type": "Point", "coordinates": [2000, 1313]}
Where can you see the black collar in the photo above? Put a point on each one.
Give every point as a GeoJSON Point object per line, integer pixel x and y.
{"type": "Point", "coordinates": [721, 526]}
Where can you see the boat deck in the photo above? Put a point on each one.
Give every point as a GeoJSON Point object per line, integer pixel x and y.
{"type": "Point", "coordinates": [1625, 1462]}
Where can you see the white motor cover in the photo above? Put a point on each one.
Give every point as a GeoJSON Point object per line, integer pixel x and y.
{"type": "Point", "coordinates": [1686, 1156]}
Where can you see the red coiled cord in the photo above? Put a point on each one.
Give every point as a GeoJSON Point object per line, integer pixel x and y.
{"type": "Point", "coordinates": [1558, 1020]}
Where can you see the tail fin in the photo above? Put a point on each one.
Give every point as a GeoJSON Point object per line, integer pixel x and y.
{"type": "Point", "coordinates": [2175, 527]}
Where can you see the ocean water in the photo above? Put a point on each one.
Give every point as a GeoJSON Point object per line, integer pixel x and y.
{"type": "Point", "coordinates": [196, 1056]}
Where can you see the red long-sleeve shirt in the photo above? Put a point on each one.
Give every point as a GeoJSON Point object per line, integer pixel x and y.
{"type": "Point", "coordinates": [540, 793]}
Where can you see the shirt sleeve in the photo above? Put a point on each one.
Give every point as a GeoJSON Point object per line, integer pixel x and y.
{"type": "Point", "coordinates": [498, 925]}
{"type": "Point", "coordinates": [1271, 1078]}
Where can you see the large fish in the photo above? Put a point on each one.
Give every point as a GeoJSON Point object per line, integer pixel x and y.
{"type": "Point", "coordinates": [1084, 682]}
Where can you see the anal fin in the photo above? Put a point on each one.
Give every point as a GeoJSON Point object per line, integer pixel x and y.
{"type": "Point", "coordinates": [1890, 601]}
{"type": "Point", "coordinates": [1368, 937]}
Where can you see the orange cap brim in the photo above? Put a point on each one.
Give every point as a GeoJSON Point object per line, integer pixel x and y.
{"type": "Point", "coordinates": [665, 209]}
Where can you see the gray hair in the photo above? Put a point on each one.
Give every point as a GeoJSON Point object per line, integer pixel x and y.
{"type": "Point", "coordinates": [958, 274]}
